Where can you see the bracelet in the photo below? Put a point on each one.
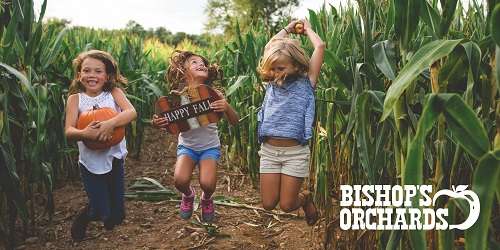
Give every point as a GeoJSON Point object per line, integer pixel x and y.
{"type": "Point", "coordinates": [286, 30]}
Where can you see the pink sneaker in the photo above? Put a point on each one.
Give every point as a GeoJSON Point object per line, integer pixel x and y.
{"type": "Point", "coordinates": [187, 205]}
{"type": "Point", "coordinates": [207, 209]}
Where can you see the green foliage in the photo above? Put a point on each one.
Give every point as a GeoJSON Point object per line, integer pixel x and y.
{"type": "Point", "coordinates": [225, 15]}
{"type": "Point", "coordinates": [378, 119]}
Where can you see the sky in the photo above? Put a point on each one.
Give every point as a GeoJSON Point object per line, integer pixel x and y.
{"type": "Point", "coordinates": [174, 15]}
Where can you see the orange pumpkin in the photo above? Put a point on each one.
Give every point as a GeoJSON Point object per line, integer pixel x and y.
{"type": "Point", "coordinates": [100, 114]}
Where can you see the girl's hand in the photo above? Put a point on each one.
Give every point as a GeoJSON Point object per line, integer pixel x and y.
{"type": "Point", "coordinates": [91, 131]}
{"type": "Point", "coordinates": [291, 26]}
{"type": "Point", "coordinates": [219, 105]}
{"type": "Point", "coordinates": [105, 131]}
{"type": "Point", "coordinates": [307, 26]}
{"type": "Point", "coordinates": [159, 122]}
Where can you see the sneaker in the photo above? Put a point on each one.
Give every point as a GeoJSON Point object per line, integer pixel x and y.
{"type": "Point", "coordinates": [79, 226]}
{"type": "Point", "coordinates": [187, 205]}
{"type": "Point", "coordinates": [207, 209]}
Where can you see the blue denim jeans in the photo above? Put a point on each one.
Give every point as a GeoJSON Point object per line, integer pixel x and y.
{"type": "Point", "coordinates": [105, 193]}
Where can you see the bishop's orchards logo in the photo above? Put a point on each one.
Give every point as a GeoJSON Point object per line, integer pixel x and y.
{"type": "Point", "coordinates": [386, 207]}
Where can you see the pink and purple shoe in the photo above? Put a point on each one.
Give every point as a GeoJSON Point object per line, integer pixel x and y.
{"type": "Point", "coordinates": [207, 209]}
{"type": "Point", "coordinates": [186, 209]}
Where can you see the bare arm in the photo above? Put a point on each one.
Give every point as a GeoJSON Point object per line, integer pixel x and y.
{"type": "Point", "coordinates": [231, 115]}
{"type": "Point", "coordinates": [127, 115]}
{"type": "Point", "coordinates": [223, 106]}
{"type": "Point", "coordinates": [317, 55]}
{"type": "Point", "coordinates": [284, 32]}
{"type": "Point", "coordinates": [70, 130]}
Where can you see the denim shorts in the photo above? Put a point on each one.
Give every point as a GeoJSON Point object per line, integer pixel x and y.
{"type": "Point", "coordinates": [196, 156]}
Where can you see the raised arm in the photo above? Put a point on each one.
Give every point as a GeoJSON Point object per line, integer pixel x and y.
{"type": "Point", "coordinates": [317, 55]}
{"type": "Point", "coordinates": [284, 32]}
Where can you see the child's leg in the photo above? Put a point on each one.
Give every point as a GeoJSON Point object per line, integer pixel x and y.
{"type": "Point", "coordinates": [289, 193]}
{"type": "Point", "coordinates": [116, 187]}
{"type": "Point", "coordinates": [208, 177]}
{"type": "Point", "coordinates": [270, 190]}
{"type": "Point", "coordinates": [208, 170]}
{"type": "Point", "coordinates": [270, 176]}
{"type": "Point", "coordinates": [208, 181]}
{"type": "Point", "coordinates": [186, 159]}
{"type": "Point", "coordinates": [96, 187]}
{"type": "Point", "coordinates": [183, 172]}
{"type": "Point", "coordinates": [295, 169]}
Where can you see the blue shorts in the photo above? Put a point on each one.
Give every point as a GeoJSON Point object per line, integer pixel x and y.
{"type": "Point", "coordinates": [196, 156]}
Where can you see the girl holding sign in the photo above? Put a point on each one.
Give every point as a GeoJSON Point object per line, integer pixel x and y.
{"type": "Point", "coordinates": [201, 145]}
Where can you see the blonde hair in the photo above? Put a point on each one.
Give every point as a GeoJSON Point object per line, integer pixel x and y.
{"type": "Point", "coordinates": [116, 80]}
{"type": "Point", "coordinates": [282, 47]}
{"type": "Point", "coordinates": [176, 72]}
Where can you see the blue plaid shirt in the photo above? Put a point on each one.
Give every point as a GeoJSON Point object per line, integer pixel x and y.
{"type": "Point", "coordinates": [287, 111]}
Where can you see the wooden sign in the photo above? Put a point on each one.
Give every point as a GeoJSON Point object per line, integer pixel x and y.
{"type": "Point", "coordinates": [188, 109]}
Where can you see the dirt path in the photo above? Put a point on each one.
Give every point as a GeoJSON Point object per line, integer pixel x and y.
{"type": "Point", "coordinates": [157, 225]}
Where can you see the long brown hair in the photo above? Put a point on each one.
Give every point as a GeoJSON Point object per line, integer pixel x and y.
{"type": "Point", "coordinates": [176, 72]}
{"type": "Point", "coordinates": [116, 80]}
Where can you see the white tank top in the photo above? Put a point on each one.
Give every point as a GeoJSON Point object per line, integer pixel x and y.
{"type": "Point", "coordinates": [200, 138]}
{"type": "Point", "coordinates": [99, 161]}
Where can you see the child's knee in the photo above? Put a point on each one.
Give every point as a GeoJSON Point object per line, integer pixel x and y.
{"type": "Point", "coordinates": [207, 186]}
{"type": "Point", "coordinates": [288, 206]}
{"type": "Point", "coordinates": [269, 205]}
{"type": "Point", "coordinates": [181, 182]}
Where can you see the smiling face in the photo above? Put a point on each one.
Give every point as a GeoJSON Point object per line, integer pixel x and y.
{"type": "Point", "coordinates": [196, 70]}
{"type": "Point", "coordinates": [93, 76]}
{"type": "Point", "coordinates": [282, 68]}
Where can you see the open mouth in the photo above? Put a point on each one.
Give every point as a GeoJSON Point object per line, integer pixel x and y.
{"type": "Point", "coordinates": [92, 83]}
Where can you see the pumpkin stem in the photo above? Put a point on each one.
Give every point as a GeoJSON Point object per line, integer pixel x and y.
{"type": "Point", "coordinates": [95, 107]}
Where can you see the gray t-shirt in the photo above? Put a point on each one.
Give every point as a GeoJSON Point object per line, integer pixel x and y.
{"type": "Point", "coordinates": [201, 138]}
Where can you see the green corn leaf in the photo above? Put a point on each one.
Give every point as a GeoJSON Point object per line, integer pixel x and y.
{"type": "Point", "coordinates": [413, 172]}
{"type": "Point", "coordinates": [382, 55]}
{"type": "Point", "coordinates": [431, 17]}
{"type": "Point", "coordinates": [394, 240]}
{"type": "Point", "coordinates": [51, 56]}
{"type": "Point", "coordinates": [454, 71]}
{"type": "Point", "coordinates": [495, 27]}
{"type": "Point", "coordinates": [338, 68]}
{"type": "Point", "coordinates": [362, 134]}
{"type": "Point", "coordinates": [486, 178]}
{"type": "Point", "coordinates": [422, 59]}
{"type": "Point", "coordinates": [465, 126]}
{"type": "Point", "coordinates": [447, 237]}
{"type": "Point", "coordinates": [22, 78]}
{"type": "Point", "coordinates": [473, 53]}
{"type": "Point", "coordinates": [406, 20]}
{"type": "Point", "coordinates": [447, 16]}
{"type": "Point", "coordinates": [241, 81]}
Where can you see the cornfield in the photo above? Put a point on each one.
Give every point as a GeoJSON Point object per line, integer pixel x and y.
{"type": "Point", "coordinates": [408, 94]}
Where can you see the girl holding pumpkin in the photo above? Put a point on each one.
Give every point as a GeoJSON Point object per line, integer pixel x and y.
{"type": "Point", "coordinates": [198, 146]}
{"type": "Point", "coordinates": [94, 93]}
